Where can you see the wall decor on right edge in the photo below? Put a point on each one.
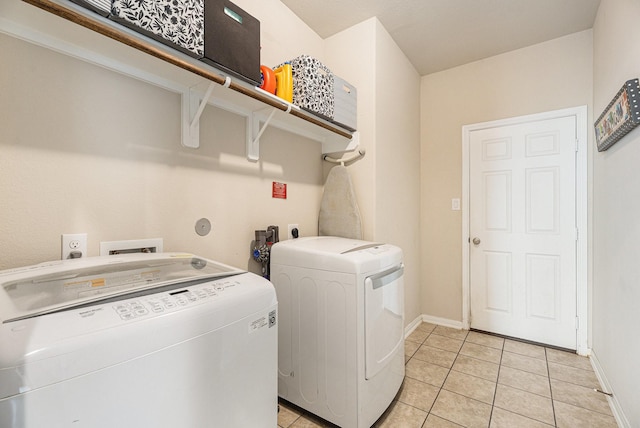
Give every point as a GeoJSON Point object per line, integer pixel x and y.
{"type": "Point", "coordinates": [620, 116]}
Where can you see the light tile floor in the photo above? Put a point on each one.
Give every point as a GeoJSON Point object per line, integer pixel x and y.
{"type": "Point", "coordinates": [456, 378]}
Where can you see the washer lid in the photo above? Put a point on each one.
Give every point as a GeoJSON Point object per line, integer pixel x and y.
{"type": "Point", "coordinates": [51, 287]}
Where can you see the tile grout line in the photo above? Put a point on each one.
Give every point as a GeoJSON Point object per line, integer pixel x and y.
{"type": "Point", "coordinates": [495, 392]}
{"type": "Point", "coordinates": [441, 386]}
{"type": "Point", "coordinates": [500, 365]}
{"type": "Point", "coordinates": [428, 412]}
{"type": "Point", "coordinates": [553, 407]}
{"type": "Point", "coordinates": [573, 404]}
{"type": "Point", "coordinates": [451, 369]}
{"type": "Point", "coordinates": [405, 365]}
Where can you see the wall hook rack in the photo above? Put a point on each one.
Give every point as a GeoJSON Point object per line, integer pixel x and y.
{"type": "Point", "coordinates": [342, 162]}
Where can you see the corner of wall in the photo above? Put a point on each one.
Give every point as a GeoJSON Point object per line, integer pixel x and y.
{"type": "Point", "coordinates": [388, 120]}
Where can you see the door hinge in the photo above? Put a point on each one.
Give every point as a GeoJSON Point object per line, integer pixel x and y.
{"type": "Point", "coordinates": [577, 144]}
{"type": "Point", "coordinates": [577, 233]}
{"type": "Point", "coordinates": [577, 323]}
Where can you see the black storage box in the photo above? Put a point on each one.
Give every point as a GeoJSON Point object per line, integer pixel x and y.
{"type": "Point", "coordinates": [215, 31]}
{"type": "Point", "coordinates": [232, 40]}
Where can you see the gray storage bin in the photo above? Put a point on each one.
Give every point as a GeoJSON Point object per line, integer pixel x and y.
{"type": "Point", "coordinates": [102, 7]}
{"type": "Point", "coordinates": [312, 86]}
{"type": "Point", "coordinates": [177, 23]}
{"type": "Point", "coordinates": [346, 104]}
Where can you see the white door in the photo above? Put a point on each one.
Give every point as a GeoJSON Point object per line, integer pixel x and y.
{"type": "Point", "coordinates": [522, 228]}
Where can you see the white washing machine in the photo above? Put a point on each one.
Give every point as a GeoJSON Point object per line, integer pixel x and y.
{"type": "Point", "coordinates": [145, 340]}
{"type": "Point", "coordinates": [341, 326]}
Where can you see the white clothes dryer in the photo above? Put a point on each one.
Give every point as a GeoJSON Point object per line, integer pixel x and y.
{"type": "Point", "coordinates": [341, 326]}
{"type": "Point", "coordinates": [138, 340]}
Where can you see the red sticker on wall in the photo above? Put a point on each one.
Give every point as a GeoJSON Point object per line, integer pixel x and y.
{"type": "Point", "coordinates": [279, 190]}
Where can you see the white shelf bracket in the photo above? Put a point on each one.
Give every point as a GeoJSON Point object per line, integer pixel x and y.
{"type": "Point", "coordinates": [254, 131]}
{"type": "Point", "coordinates": [246, 102]}
{"type": "Point", "coordinates": [193, 104]}
{"type": "Point", "coordinates": [336, 145]}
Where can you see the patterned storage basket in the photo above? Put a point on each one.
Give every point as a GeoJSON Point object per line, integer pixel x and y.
{"type": "Point", "coordinates": [177, 23]}
{"type": "Point", "coordinates": [103, 7]}
{"type": "Point", "coordinates": [313, 86]}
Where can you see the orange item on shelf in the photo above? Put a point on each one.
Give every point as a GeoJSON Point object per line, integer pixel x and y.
{"type": "Point", "coordinates": [268, 79]}
{"type": "Point", "coordinates": [284, 82]}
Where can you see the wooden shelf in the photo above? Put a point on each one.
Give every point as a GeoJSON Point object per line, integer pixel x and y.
{"type": "Point", "coordinates": [136, 55]}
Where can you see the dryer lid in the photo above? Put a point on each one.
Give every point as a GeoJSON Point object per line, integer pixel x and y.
{"type": "Point", "coordinates": [54, 286]}
{"type": "Point", "coordinates": [329, 244]}
{"type": "Point", "coordinates": [335, 254]}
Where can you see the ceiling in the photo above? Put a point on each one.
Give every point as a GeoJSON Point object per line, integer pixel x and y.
{"type": "Point", "coordinates": [439, 34]}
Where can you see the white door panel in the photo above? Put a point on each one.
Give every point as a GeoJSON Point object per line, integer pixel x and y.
{"type": "Point", "coordinates": [522, 187]}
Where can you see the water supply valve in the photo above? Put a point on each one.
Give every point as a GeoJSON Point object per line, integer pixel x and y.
{"type": "Point", "coordinates": [262, 247]}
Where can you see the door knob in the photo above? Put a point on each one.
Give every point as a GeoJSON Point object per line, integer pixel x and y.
{"type": "Point", "coordinates": [476, 241]}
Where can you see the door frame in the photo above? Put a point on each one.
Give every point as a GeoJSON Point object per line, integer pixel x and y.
{"type": "Point", "coordinates": [580, 113]}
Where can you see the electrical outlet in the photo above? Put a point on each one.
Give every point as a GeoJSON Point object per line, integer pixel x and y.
{"type": "Point", "coordinates": [290, 229]}
{"type": "Point", "coordinates": [73, 246]}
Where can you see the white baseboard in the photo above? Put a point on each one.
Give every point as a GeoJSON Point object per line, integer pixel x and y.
{"type": "Point", "coordinates": [412, 326]}
{"type": "Point", "coordinates": [618, 413]}
{"type": "Point", "coordinates": [442, 321]}
{"type": "Point", "coordinates": [433, 320]}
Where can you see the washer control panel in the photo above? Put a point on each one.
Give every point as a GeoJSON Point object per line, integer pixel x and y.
{"type": "Point", "coordinates": [171, 300]}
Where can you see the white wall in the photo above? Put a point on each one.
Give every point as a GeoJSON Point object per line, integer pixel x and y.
{"type": "Point", "coordinates": [387, 180]}
{"type": "Point", "coordinates": [84, 149]}
{"type": "Point", "coordinates": [397, 162]}
{"type": "Point", "coordinates": [351, 54]}
{"type": "Point", "coordinates": [283, 35]}
{"type": "Point", "coordinates": [548, 76]}
{"type": "Point", "coordinates": [616, 200]}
